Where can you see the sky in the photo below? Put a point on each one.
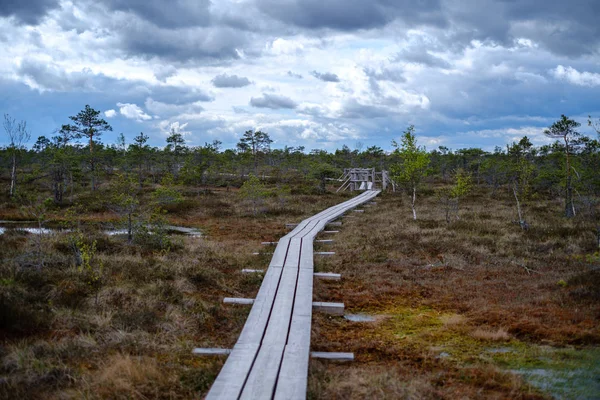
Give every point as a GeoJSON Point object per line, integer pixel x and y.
{"type": "Point", "coordinates": [314, 73]}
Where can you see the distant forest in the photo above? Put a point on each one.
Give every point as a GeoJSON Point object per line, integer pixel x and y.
{"type": "Point", "coordinates": [75, 159]}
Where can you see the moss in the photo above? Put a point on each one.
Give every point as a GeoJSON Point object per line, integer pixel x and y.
{"type": "Point", "coordinates": [561, 372]}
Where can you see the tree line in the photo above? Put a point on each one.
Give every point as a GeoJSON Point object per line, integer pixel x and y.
{"type": "Point", "coordinates": [75, 159]}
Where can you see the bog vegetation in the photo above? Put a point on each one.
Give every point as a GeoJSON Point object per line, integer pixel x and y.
{"type": "Point", "coordinates": [473, 251]}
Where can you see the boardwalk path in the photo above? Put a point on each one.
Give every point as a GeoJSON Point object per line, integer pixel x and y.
{"type": "Point", "coordinates": [270, 358]}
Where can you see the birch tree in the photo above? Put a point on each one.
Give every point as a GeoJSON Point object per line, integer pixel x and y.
{"type": "Point", "coordinates": [520, 171]}
{"type": "Point", "coordinates": [412, 167]}
{"type": "Point", "coordinates": [18, 135]}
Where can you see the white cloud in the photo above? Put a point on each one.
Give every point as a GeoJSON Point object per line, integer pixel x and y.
{"type": "Point", "coordinates": [575, 77]}
{"type": "Point", "coordinates": [165, 109]}
{"type": "Point", "coordinates": [175, 126]}
{"type": "Point", "coordinates": [285, 46]}
{"type": "Point", "coordinates": [133, 111]}
{"type": "Point", "coordinates": [110, 113]}
{"type": "Point", "coordinates": [509, 135]}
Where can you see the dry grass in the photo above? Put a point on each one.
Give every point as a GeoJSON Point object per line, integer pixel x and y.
{"type": "Point", "coordinates": [453, 288]}
{"type": "Point", "coordinates": [479, 279]}
{"type": "Point", "coordinates": [133, 336]}
{"type": "Point", "coordinates": [494, 335]}
{"type": "Point", "coordinates": [124, 376]}
{"type": "Point", "coordinates": [453, 320]}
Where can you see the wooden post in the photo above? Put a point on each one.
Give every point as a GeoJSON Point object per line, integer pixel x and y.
{"type": "Point", "coordinates": [329, 308]}
{"type": "Point", "coordinates": [328, 276]}
{"type": "Point", "coordinates": [332, 356]}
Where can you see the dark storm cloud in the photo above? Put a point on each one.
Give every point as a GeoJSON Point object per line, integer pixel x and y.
{"type": "Point", "coordinates": [567, 28]}
{"type": "Point", "coordinates": [50, 77]}
{"type": "Point", "coordinates": [421, 56]}
{"type": "Point", "coordinates": [167, 14]}
{"type": "Point", "coordinates": [564, 27]}
{"type": "Point", "coordinates": [348, 15]}
{"type": "Point", "coordinates": [294, 75]}
{"type": "Point", "coordinates": [214, 44]}
{"type": "Point", "coordinates": [326, 76]}
{"type": "Point", "coordinates": [29, 12]}
{"type": "Point", "coordinates": [230, 81]}
{"type": "Point", "coordinates": [354, 110]}
{"type": "Point", "coordinates": [273, 101]}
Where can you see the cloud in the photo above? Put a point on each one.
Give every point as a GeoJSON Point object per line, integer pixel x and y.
{"type": "Point", "coordinates": [448, 66]}
{"type": "Point", "coordinates": [230, 81]}
{"type": "Point", "coordinates": [49, 76]}
{"type": "Point", "coordinates": [171, 14]}
{"type": "Point", "coordinates": [571, 75]}
{"type": "Point", "coordinates": [273, 101]}
{"type": "Point", "coordinates": [302, 130]}
{"type": "Point", "coordinates": [164, 72]}
{"type": "Point", "coordinates": [167, 127]}
{"type": "Point", "coordinates": [421, 56]}
{"type": "Point", "coordinates": [177, 94]}
{"type": "Point", "coordinates": [353, 109]}
{"type": "Point", "coordinates": [169, 109]}
{"type": "Point", "coordinates": [216, 44]}
{"type": "Point", "coordinates": [326, 76]}
{"type": "Point", "coordinates": [350, 15]}
{"type": "Point", "coordinates": [110, 113]}
{"type": "Point", "coordinates": [29, 12]}
{"type": "Point", "coordinates": [132, 111]}
{"type": "Point", "coordinates": [281, 46]}
{"type": "Point", "coordinates": [385, 74]}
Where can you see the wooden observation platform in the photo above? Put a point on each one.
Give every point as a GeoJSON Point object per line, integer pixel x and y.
{"type": "Point", "coordinates": [364, 179]}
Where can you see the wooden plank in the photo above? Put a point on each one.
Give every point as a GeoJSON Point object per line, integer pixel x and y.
{"type": "Point", "coordinates": [326, 241]}
{"type": "Point", "coordinates": [304, 290]}
{"type": "Point", "coordinates": [261, 380]}
{"type": "Point", "coordinates": [280, 253]}
{"type": "Point", "coordinates": [254, 328]}
{"type": "Point", "coordinates": [330, 231]}
{"type": "Point", "coordinates": [252, 271]}
{"type": "Point", "coordinates": [332, 356]}
{"type": "Point", "coordinates": [307, 261]}
{"type": "Point", "coordinates": [293, 375]}
{"type": "Point", "coordinates": [237, 300]}
{"type": "Point", "coordinates": [263, 376]}
{"type": "Point", "coordinates": [324, 253]}
{"type": "Point", "coordinates": [268, 243]}
{"type": "Point", "coordinates": [231, 379]}
{"type": "Point", "coordinates": [211, 351]}
{"type": "Point", "coordinates": [328, 276]}
{"type": "Point", "coordinates": [358, 211]}
{"type": "Point", "coordinates": [329, 308]}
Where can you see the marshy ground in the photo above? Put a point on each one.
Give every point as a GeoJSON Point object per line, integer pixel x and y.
{"type": "Point", "coordinates": [476, 308]}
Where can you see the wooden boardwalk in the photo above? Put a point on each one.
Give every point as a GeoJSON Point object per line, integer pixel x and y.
{"type": "Point", "coordinates": [270, 358]}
